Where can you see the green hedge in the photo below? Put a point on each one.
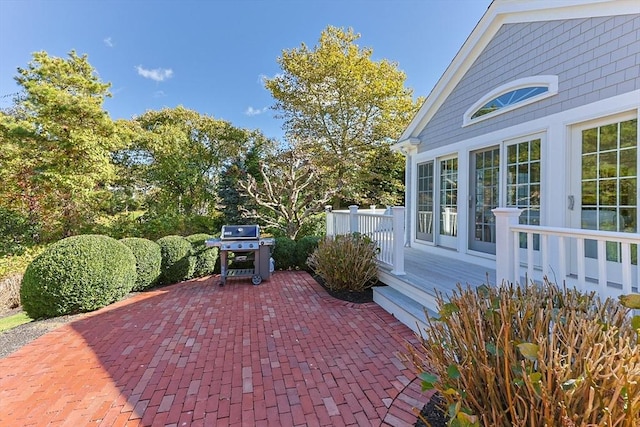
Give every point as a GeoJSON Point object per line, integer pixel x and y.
{"type": "Point", "coordinates": [77, 274]}
{"type": "Point", "coordinates": [304, 248]}
{"type": "Point", "coordinates": [148, 261]}
{"type": "Point", "coordinates": [206, 258]}
{"type": "Point", "coordinates": [284, 253]}
{"type": "Point", "coordinates": [178, 262]}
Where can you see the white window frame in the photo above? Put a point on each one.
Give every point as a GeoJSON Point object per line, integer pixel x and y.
{"type": "Point", "coordinates": [548, 81]}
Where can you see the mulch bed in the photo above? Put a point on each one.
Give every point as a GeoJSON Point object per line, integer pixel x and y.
{"type": "Point", "coordinates": [432, 413]}
{"type": "Point", "coordinates": [354, 297]}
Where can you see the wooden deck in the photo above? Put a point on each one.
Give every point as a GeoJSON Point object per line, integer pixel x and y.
{"type": "Point", "coordinates": [427, 274]}
{"type": "Point", "coordinates": [441, 273]}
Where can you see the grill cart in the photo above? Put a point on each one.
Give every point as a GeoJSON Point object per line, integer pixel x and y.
{"type": "Point", "coordinates": [245, 243]}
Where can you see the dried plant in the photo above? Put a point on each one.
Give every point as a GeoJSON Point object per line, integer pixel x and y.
{"type": "Point", "coordinates": [346, 262]}
{"type": "Point", "coordinates": [10, 291]}
{"type": "Point", "coordinates": [531, 356]}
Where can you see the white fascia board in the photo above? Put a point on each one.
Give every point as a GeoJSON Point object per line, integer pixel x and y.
{"type": "Point", "coordinates": [406, 146]}
{"type": "Point", "coordinates": [502, 12]}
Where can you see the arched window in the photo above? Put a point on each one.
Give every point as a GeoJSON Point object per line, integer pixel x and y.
{"type": "Point", "coordinates": [510, 96]}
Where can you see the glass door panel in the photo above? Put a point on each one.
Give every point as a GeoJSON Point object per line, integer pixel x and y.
{"type": "Point", "coordinates": [609, 184]}
{"type": "Point", "coordinates": [424, 205]}
{"type": "Point", "coordinates": [448, 202]}
{"type": "Point", "coordinates": [485, 173]}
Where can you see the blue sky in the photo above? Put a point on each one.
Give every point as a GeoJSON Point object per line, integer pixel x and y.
{"type": "Point", "coordinates": [210, 56]}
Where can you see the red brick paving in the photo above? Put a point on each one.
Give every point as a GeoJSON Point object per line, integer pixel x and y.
{"type": "Point", "coordinates": [194, 354]}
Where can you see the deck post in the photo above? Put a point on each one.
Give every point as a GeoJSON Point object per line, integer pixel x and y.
{"type": "Point", "coordinates": [505, 268]}
{"type": "Point", "coordinates": [398, 240]}
{"type": "Point", "coordinates": [330, 221]}
{"type": "Point", "coordinates": [353, 219]}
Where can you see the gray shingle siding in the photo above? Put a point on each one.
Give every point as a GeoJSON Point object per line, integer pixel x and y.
{"type": "Point", "coordinates": [594, 59]}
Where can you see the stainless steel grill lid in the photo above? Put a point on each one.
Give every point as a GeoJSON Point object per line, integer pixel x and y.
{"type": "Point", "coordinates": [240, 232]}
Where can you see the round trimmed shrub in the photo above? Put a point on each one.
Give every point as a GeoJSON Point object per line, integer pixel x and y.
{"type": "Point", "coordinates": [178, 264]}
{"type": "Point", "coordinates": [205, 257]}
{"type": "Point", "coordinates": [77, 274]}
{"type": "Point", "coordinates": [284, 253]}
{"type": "Point", "coordinates": [148, 261]}
{"type": "Point", "coordinates": [304, 249]}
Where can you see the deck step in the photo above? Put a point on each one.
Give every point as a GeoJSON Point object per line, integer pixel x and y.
{"type": "Point", "coordinates": [405, 309]}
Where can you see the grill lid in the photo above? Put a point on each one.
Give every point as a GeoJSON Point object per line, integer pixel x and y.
{"type": "Point", "coordinates": [240, 232]}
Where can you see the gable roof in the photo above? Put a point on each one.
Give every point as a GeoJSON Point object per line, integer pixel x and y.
{"type": "Point", "coordinates": [502, 12]}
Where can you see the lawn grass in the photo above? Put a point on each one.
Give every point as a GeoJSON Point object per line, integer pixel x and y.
{"type": "Point", "coordinates": [7, 323]}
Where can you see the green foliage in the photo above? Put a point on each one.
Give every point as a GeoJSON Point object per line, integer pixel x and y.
{"type": "Point", "coordinates": [235, 203]}
{"type": "Point", "coordinates": [57, 142]}
{"type": "Point", "coordinates": [304, 249]}
{"type": "Point", "coordinates": [179, 153]}
{"type": "Point", "coordinates": [343, 106]}
{"type": "Point", "coordinates": [153, 225]}
{"type": "Point", "coordinates": [346, 262]}
{"type": "Point", "coordinates": [17, 232]}
{"type": "Point", "coordinates": [178, 262]}
{"type": "Point", "coordinates": [205, 257]}
{"type": "Point", "coordinates": [632, 301]}
{"type": "Point", "coordinates": [291, 192]}
{"type": "Point", "coordinates": [11, 322]}
{"type": "Point", "coordinates": [531, 355]}
{"type": "Point", "coordinates": [17, 264]}
{"type": "Point", "coordinates": [77, 274]}
{"type": "Point", "coordinates": [148, 261]}
{"type": "Point", "coordinates": [284, 253]}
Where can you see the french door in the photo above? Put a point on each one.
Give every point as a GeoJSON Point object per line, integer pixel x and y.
{"type": "Point", "coordinates": [605, 186]}
{"type": "Point", "coordinates": [484, 196]}
{"type": "Point", "coordinates": [437, 202]}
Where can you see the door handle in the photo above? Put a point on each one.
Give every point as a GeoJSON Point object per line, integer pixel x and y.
{"type": "Point", "coordinates": [571, 202]}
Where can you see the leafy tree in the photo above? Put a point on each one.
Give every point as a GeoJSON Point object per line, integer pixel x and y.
{"type": "Point", "coordinates": [234, 202]}
{"type": "Point", "coordinates": [344, 106]}
{"type": "Point", "coordinates": [290, 193]}
{"type": "Point", "coordinates": [56, 144]}
{"type": "Point", "coordinates": [178, 156]}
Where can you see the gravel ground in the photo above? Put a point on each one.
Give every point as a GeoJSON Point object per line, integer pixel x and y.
{"type": "Point", "coordinates": [15, 338]}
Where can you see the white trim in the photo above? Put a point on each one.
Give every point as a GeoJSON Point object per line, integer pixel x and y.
{"type": "Point", "coordinates": [548, 81]}
{"type": "Point", "coordinates": [502, 12]}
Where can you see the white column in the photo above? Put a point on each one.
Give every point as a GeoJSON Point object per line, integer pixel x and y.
{"type": "Point", "coordinates": [353, 219]}
{"type": "Point", "coordinates": [505, 240]}
{"type": "Point", "coordinates": [398, 240]}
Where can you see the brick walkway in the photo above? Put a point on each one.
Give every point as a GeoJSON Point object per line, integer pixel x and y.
{"type": "Point", "coordinates": [280, 354]}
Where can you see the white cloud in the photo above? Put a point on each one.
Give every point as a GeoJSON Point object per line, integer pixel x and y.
{"type": "Point", "coordinates": [158, 74]}
{"type": "Point", "coordinates": [255, 112]}
{"type": "Point", "coordinates": [108, 42]}
{"type": "Point", "coordinates": [159, 94]}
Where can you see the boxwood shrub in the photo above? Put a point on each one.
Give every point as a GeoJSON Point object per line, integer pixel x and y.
{"type": "Point", "coordinates": [178, 262]}
{"type": "Point", "coordinates": [284, 253]}
{"type": "Point", "coordinates": [77, 274]}
{"type": "Point", "coordinates": [304, 248]}
{"type": "Point", "coordinates": [205, 257]}
{"type": "Point", "coordinates": [148, 261]}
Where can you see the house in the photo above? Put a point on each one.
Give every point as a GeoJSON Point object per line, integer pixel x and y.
{"type": "Point", "coordinates": [534, 127]}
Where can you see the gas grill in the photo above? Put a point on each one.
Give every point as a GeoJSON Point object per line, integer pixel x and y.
{"type": "Point", "coordinates": [244, 243]}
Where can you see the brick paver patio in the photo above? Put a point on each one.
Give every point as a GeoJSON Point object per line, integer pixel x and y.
{"type": "Point", "coordinates": [194, 354]}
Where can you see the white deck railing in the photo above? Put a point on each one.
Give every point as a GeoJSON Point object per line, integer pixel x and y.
{"type": "Point", "coordinates": [560, 254]}
{"type": "Point", "coordinates": [385, 227]}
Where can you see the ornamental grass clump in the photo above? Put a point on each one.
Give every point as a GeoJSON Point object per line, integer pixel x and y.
{"type": "Point", "coordinates": [346, 262]}
{"type": "Point", "coordinates": [531, 356]}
